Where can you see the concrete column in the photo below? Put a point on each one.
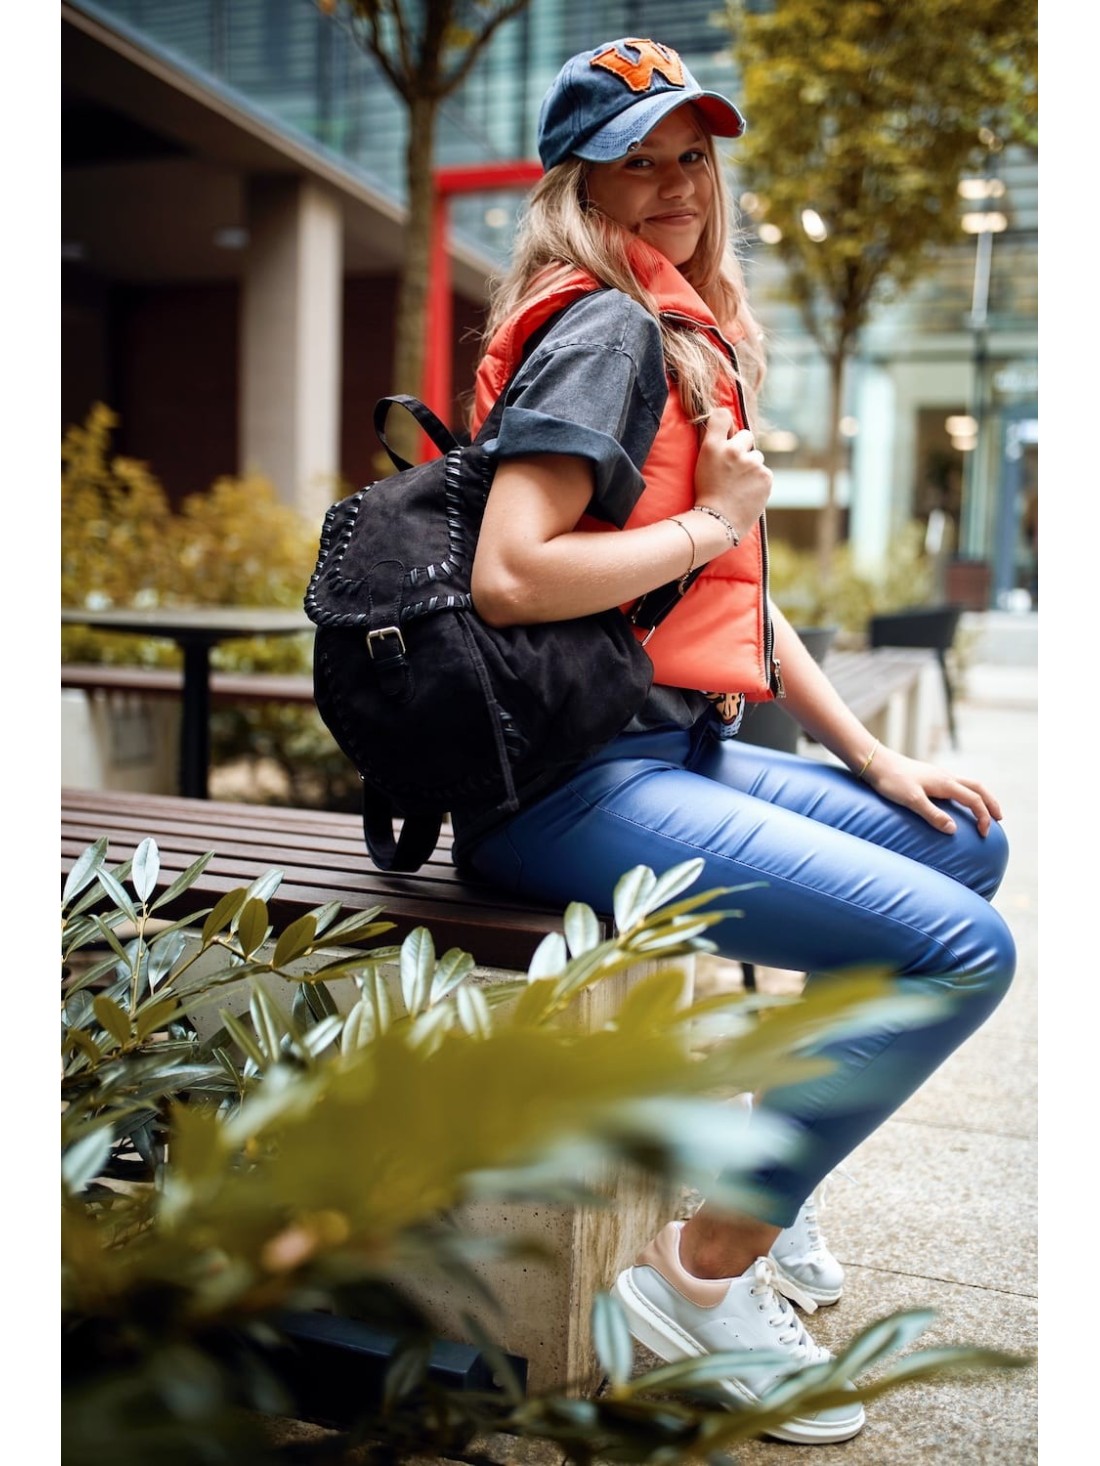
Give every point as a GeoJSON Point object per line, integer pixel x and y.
{"type": "Point", "coordinates": [290, 350]}
{"type": "Point", "coordinates": [873, 469]}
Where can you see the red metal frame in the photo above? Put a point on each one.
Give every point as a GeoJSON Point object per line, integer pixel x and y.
{"type": "Point", "coordinates": [439, 330]}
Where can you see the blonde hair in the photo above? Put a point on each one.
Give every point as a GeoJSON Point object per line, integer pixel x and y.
{"type": "Point", "coordinates": [560, 232]}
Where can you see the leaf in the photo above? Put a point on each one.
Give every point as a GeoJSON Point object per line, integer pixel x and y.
{"type": "Point", "coordinates": [117, 892]}
{"type": "Point", "coordinates": [84, 870]}
{"type": "Point", "coordinates": [503, 1372]}
{"type": "Point", "coordinates": [654, 1002]}
{"type": "Point", "coordinates": [85, 1159]}
{"type": "Point", "coordinates": [145, 869]}
{"type": "Point", "coordinates": [377, 995]}
{"type": "Point", "coordinates": [611, 1338]}
{"type": "Point", "coordinates": [549, 958]}
{"type": "Point", "coordinates": [353, 928]}
{"type": "Point", "coordinates": [183, 881]}
{"type": "Point", "coordinates": [317, 1038]}
{"type": "Point", "coordinates": [313, 1000]}
{"type": "Point", "coordinates": [111, 1017]}
{"type": "Point", "coordinates": [407, 1372]}
{"type": "Point", "coordinates": [265, 886]}
{"type": "Point", "coordinates": [358, 1029]}
{"type": "Point", "coordinates": [630, 895]}
{"type": "Point", "coordinates": [252, 925]}
{"type": "Point", "coordinates": [674, 880]}
{"type": "Point", "coordinates": [582, 928]}
{"type": "Point", "coordinates": [452, 968]}
{"type": "Point", "coordinates": [417, 966]}
{"type": "Point", "coordinates": [222, 914]}
{"type": "Point", "coordinates": [157, 1015]}
{"type": "Point", "coordinates": [81, 1039]}
{"type": "Point", "coordinates": [165, 951]}
{"type": "Point", "coordinates": [426, 1032]}
{"type": "Point", "coordinates": [473, 1012]}
{"type": "Point", "coordinates": [295, 940]}
{"type": "Point", "coordinates": [242, 1038]}
{"type": "Point", "coordinates": [269, 1023]}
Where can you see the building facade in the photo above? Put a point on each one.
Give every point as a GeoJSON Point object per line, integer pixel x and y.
{"type": "Point", "coordinates": [232, 207]}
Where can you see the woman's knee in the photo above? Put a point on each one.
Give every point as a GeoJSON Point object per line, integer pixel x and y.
{"type": "Point", "coordinates": [990, 860]}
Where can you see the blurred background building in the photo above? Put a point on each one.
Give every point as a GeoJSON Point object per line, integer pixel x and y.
{"type": "Point", "coordinates": [232, 207]}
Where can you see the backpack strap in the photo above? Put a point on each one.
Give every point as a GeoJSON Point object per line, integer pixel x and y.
{"type": "Point", "coordinates": [412, 847]}
{"type": "Point", "coordinates": [441, 435]}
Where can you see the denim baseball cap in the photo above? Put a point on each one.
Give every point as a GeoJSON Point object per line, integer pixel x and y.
{"type": "Point", "coordinates": [603, 102]}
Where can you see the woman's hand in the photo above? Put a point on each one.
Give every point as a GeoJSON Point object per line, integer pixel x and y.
{"type": "Point", "coordinates": [913, 784]}
{"type": "Point", "coordinates": [731, 475]}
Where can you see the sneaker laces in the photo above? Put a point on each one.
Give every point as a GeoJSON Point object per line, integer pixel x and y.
{"type": "Point", "coordinates": [813, 1225]}
{"type": "Point", "coordinates": [816, 1203]}
{"type": "Point", "coordinates": [793, 1336]}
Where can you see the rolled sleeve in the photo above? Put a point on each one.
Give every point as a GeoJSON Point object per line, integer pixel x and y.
{"type": "Point", "coordinates": [595, 387]}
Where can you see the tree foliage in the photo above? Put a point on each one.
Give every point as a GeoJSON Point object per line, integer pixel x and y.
{"type": "Point", "coordinates": [868, 112]}
{"type": "Point", "coordinates": [425, 49]}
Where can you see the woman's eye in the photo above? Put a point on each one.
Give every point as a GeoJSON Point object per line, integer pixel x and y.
{"type": "Point", "coordinates": [694, 156]}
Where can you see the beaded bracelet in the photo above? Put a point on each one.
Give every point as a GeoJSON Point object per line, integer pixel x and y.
{"type": "Point", "coordinates": [731, 534]}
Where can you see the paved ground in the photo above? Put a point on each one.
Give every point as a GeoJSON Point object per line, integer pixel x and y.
{"type": "Point", "coordinates": [942, 1207]}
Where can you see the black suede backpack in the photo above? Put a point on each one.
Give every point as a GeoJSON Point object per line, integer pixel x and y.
{"type": "Point", "coordinates": [437, 710]}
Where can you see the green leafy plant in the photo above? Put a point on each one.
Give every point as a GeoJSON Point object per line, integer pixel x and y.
{"type": "Point", "coordinates": [207, 1189]}
{"type": "Point", "coordinates": [848, 597]}
{"type": "Point", "coordinates": [122, 544]}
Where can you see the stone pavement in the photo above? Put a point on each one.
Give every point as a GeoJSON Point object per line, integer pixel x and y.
{"type": "Point", "coordinates": [941, 1209]}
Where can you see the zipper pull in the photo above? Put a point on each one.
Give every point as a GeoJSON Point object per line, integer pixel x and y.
{"type": "Point", "coordinates": [777, 679]}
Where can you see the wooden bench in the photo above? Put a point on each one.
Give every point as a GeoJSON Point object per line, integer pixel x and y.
{"type": "Point", "coordinates": [323, 858]}
{"type": "Point", "coordinates": [885, 687]}
{"type": "Point", "coordinates": [168, 682]}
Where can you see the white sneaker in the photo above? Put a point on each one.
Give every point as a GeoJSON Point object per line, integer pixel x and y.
{"type": "Point", "coordinates": [679, 1316]}
{"type": "Point", "coordinates": [802, 1257]}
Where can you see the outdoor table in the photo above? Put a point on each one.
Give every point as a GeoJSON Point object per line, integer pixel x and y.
{"type": "Point", "coordinates": [194, 629]}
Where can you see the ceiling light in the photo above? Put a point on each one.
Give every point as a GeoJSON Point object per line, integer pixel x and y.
{"type": "Point", "coordinates": [231, 236]}
{"type": "Point", "coordinates": [992, 222]}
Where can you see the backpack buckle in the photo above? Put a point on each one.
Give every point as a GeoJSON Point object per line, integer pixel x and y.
{"type": "Point", "coordinates": [387, 655]}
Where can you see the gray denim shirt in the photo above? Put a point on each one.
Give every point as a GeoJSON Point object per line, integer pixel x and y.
{"type": "Point", "coordinates": [594, 385]}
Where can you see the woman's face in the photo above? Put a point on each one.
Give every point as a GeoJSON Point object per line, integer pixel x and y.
{"type": "Point", "coordinates": [662, 191]}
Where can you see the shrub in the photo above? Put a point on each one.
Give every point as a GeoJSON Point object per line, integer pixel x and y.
{"type": "Point", "coordinates": [847, 598]}
{"type": "Point", "coordinates": [236, 544]}
{"type": "Point", "coordinates": [210, 1185]}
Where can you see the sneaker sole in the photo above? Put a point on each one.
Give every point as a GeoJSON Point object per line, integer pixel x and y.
{"type": "Point", "coordinates": [664, 1337]}
{"type": "Point", "coordinates": [819, 1295]}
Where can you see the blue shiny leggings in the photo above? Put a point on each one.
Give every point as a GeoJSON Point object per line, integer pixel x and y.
{"type": "Point", "coordinates": [851, 880]}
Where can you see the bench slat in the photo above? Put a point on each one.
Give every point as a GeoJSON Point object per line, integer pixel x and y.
{"type": "Point", "coordinates": [168, 682]}
{"type": "Point", "coordinates": [249, 840]}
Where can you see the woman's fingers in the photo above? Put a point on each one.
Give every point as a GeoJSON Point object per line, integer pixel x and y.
{"type": "Point", "coordinates": [917, 785]}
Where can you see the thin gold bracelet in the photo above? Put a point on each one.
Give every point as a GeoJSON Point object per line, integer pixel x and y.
{"type": "Point", "coordinates": [866, 764]}
{"type": "Point", "coordinates": [691, 541]}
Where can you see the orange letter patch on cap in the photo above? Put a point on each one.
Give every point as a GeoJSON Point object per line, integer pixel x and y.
{"type": "Point", "coordinates": [638, 75]}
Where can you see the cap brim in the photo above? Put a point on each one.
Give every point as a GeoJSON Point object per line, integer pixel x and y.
{"type": "Point", "coordinates": [617, 137]}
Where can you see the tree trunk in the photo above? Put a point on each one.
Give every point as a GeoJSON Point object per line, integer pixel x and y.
{"type": "Point", "coordinates": [412, 295]}
{"type": "Point", "coordinates": [828, 525]}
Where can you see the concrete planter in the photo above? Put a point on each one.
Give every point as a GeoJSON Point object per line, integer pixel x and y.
{"type": "Point", "coordinates": [119, 740]}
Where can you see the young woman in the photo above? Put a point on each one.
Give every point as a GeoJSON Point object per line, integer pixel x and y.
{"type": "Point", "coordinates": [625, 459]}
